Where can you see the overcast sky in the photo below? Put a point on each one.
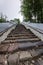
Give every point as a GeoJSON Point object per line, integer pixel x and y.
{"type": "Point", "coordinates": [10, 8]}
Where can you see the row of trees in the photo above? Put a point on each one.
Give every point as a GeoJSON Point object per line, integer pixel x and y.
{"type": "Point", "coordinates": [32, 10]}
{"type": "Point", "coordinates": [17, 20]}
{"type": "Point", "coordinates": [2, 17]}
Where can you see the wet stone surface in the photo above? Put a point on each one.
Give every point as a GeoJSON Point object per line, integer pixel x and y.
{"type": "Point", "coordinates": [21, 47]}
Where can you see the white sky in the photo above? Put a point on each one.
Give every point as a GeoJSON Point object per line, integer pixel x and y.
{"type": "Point", "coordinates": [10, 8]}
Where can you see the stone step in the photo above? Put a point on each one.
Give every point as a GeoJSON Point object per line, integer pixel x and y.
{"type": "Point", "coordinates": [22, 37]}
{"type": "Point", "coordinates": [21, 40]}
{"type": "Point", "coordinates": [17, 35]}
